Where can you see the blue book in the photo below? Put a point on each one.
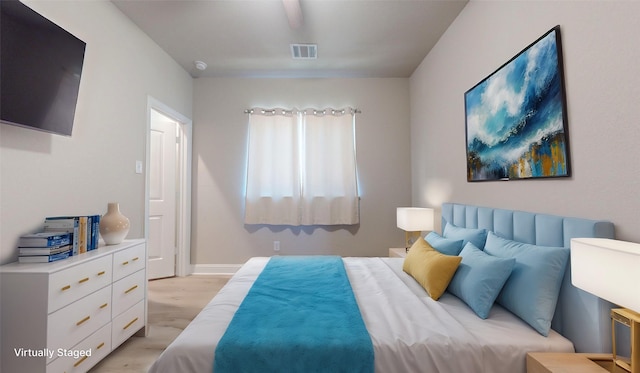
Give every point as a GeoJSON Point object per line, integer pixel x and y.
{"type": "Point", "coordinates": [45, 239]}
{"type": "Point", "coordinates": [68, 224]}
{"type": "Point", "coordinates": [89, 232]}
{"type": "Point", "coordinates": [96, 231]}
{"type": "Point", "coordinates": [44, 258]}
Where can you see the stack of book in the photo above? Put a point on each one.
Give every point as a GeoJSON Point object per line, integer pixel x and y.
{"type": "Point", "coordinates": [44, 247]}
{"type": "Point", "coordinates": [85, 230]}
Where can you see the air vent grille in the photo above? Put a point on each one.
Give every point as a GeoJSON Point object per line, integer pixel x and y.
{"type": "Point", "coordinates": [304, 51]}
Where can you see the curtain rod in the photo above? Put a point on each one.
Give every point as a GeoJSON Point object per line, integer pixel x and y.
{"type": "Point", "coordinates": [355, 111]}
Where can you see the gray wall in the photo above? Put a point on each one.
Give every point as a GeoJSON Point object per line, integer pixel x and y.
{"type": "Point", "coordinates": [219, 235]}
{"type": "Point", "coordinates": [601, 54]}
{"type": "Point", "coordinates": [43, 175]}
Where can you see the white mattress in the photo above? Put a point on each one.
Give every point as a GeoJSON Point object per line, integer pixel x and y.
{"type": "Point", "coordinates": [410, 331]}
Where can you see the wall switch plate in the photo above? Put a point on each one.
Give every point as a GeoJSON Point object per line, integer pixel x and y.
{"type": "Point", "coordinates": [138, 167]}
{"type": "Point", "coordinates": [276, 245]}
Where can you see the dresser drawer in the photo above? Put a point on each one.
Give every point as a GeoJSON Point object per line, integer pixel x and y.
{"type": "Point", "coordinates": [69, 325]}
{"type": "Point", "coordinates": [127, 261]}
{"type": "Point", "coordinates": [126, 324]}
{"type": "Point", "coordinates": [97, 345]}
{"type": "Point", "coordinates": [71, 284]}
{"type": "Point", "coordinates": [127, 292]}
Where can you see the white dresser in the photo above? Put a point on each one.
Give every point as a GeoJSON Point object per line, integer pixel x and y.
{"type": "Point", "coordinates": [66, 316]}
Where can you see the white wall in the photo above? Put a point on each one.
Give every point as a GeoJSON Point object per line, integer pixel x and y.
{"type": "Point", "coordinates": [219, 235]}
{"type": "Point", "coordinates": [44, 174]}
{"type": "Point", "coordinates": [601, 45]}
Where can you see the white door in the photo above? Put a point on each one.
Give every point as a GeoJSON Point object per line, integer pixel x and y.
{"type": "Point", "coordinates": [162, 196]}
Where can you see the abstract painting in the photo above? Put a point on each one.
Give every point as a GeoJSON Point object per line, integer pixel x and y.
{"type": "Point", "coordinates": [516, 119]}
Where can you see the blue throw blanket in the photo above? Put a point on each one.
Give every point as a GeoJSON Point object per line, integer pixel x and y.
{"type": "Point", "coordinates": [300, 315]}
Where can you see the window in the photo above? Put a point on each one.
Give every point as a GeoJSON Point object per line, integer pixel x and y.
{"type": "Point", "coordinates": [301, 167]}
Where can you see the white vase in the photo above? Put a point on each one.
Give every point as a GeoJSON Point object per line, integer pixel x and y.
{"type": "Point", "coordinates": [113, 225]}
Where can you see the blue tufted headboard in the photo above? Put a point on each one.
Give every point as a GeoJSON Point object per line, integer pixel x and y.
{"type": "Point", "coordinates": [580, 316]}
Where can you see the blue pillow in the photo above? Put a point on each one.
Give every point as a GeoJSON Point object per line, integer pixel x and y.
{"type": "Point", "coordinates": [532, 291]}
{"type": "Point", "coordinates": [475, 236]}
{"type": "Point", "coordinates": [444, 245]}
{"type": "Point", "coordinates": [480, 278]}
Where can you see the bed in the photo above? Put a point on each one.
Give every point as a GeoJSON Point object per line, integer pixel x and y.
{"type": "Point", "coordinates": [411, 332]}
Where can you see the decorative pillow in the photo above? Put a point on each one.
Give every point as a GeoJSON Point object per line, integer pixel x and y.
{"type": "Point", "coordinates": [532, 291]}
{"type": "Point", "coordinates": [444, 245]}
{"type": "Point", "coordinates": [430, 268]}
{"type": "Point", "coordinates": [475, 236]}
{"type": "Point", "coordinates": [480, 278]}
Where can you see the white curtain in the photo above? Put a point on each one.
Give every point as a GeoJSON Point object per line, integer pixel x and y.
{"type": "Point", "coordinates": [301, 168]}
{"type": "Point", "coordinates": [273, 172]}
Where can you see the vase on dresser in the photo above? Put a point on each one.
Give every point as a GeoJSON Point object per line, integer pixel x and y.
{"type": "Point", "coordinates": [113, 225]}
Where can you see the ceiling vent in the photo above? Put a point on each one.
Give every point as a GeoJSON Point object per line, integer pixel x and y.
{"type": "Point", "coordinates": [304, 51]}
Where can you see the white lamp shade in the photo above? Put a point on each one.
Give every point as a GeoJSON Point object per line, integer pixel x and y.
{"type": "Point", "coordinates": [414, 219]}
{"type": "Point", "coordinates": [609, 269]}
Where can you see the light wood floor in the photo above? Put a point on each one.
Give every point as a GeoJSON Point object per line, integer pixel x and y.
{"type": "Point", "coordinates": [173, 303]}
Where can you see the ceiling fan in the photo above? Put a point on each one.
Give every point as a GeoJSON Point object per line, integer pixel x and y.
{"type": "Point", "coordinates": [294, 13]}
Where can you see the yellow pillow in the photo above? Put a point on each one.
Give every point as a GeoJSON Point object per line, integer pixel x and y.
{"type": "Point", "coordinates": [430, 268]}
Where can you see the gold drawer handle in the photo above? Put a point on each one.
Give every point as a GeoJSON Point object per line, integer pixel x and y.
{"type": "Point", "coordinates": [100, 346]}
{"type": "Point", "coordinates": [134, 259]}
{"type": "Point", "coordinates": [65, 288]}
{"type": "Point", "coordinates": [80, 361]}
{"type": "Point", "coordinates": [130, 323]}
{"type": "Point", "coordinates": [134, 287]}
{"type": "Point", "coordinates": [83, 320]}
{"type": "Point", "coordinates": [83, 280]}
{"type": "Point", "coordinates": [104, 305]}
{"type": "Point", "coordinates": [101, 273]}
{"type": "Point", "coordinates": [125, 263]}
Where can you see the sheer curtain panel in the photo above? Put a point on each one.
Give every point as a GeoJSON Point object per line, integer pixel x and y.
{"type": "Point", "coordinates": [330, 191]}
{"type": "Point", "coordinates": [273, 172]}
{"type": "Point", "coordinates": [301, 167]}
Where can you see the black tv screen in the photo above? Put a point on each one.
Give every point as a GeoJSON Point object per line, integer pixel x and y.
{"type": "Point", "coordinates": [40, 69]}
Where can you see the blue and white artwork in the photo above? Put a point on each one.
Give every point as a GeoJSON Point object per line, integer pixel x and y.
{"type": "Point", "coordinates": [516, 117]}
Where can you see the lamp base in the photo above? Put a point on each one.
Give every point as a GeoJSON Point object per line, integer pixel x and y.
{"type": "Point", "coordinates": [411, 238]}
{"type": "Point", "coordinates": [632, 320]}
{"type": "Point", "coordinates": [605, 361]}
{"type": "Point", "coordinates": [622, 364]}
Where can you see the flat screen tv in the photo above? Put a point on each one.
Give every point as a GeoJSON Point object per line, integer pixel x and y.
{"type": "Point", "coordinates": [40, 69]}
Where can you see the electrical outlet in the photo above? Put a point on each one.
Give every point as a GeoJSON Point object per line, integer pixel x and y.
{"type": "Point", "coordinates": [276, 245]}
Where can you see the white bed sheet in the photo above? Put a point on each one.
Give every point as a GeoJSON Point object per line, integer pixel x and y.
{"type": "Point", "coordinates": [410, 331]}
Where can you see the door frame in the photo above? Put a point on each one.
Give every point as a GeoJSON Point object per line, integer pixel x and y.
{"type": "Point", "coordinates": [183, 176]}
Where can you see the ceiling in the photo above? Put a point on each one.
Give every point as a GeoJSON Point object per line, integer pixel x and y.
{"type": "Point", "coordinates": [251, 38]}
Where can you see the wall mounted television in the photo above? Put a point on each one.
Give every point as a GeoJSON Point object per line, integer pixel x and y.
{"type": "Point", "coordinates": [40, 69]}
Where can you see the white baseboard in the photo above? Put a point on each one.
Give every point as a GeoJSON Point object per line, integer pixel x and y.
{"type": "Point", "coordinates": [215, 269]}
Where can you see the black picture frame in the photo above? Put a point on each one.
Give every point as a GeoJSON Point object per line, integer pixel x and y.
{"type": "Point", "coordinates": [516, 123]}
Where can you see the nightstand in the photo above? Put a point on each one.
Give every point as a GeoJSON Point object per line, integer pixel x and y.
{"type": "Point", "coordinates": [397, 252]}
{"type": "Point", "coordinates": [557, 362]}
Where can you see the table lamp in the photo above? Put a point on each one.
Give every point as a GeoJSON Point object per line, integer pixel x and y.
{"type": "Point", "coordinates": [414, 220]}
{"type": "Point", "coordinates": [610, 269]}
